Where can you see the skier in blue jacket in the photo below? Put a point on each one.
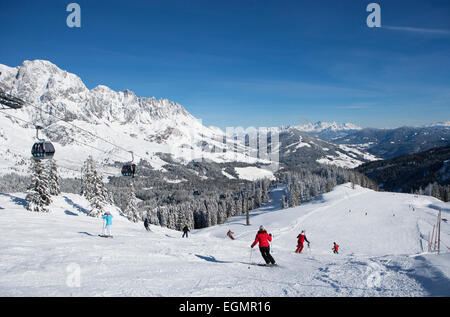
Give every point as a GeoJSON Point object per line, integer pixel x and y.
{"type": "Point", "coordinates": [108, 223]}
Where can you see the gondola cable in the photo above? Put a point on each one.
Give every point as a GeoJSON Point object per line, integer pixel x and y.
{"type": "Point", "coordinates": [127, 169]}
{"type": "Point", "coordinates": [75, 140]}
{"type": "Point", "coordinates": [89, 132]}
{"type": "Point", "coordinates": [17, 152]}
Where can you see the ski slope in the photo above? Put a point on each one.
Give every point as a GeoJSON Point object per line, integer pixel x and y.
{"type": "Point", "coordinates": [382, 253]}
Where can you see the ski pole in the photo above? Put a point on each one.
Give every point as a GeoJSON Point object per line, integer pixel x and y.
{"type": "Point", "coordinates": [250, 261]}
{"type": "Point", "coordinates": [271, 243]}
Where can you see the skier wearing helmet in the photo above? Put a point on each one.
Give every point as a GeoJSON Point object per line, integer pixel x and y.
{"type": "Point", "coordinates": [300, 239]}
{"type": "Point", "coordinates": [263, 238]}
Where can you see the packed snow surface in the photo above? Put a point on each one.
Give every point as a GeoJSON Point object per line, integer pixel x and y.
{"type": "Point", "coordinates": [382, 253]}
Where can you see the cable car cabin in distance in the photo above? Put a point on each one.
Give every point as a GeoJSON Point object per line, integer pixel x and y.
{"type": "Point", "coordinates": [9, 101]}
{"type": "Point", "coordinates": [43, 150]}
{"type": "Point", "coordinates": [196, 193]}
{"type": "Point", "coordinates": [129, 170]}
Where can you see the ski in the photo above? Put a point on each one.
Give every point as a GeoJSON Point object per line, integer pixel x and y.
{"type": "Point", "coordinates": [105, 236]}
{"type": "Point", "coordinates": [265, 265]}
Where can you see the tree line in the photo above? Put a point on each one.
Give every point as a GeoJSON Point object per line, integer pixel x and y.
{"type": "Point", "coordinates": [441, 192]}
{"type": "Point", "coordinates": [304, 184]}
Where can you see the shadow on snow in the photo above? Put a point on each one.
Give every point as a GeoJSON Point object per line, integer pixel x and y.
{"type": "Point", "coordinates": [75, 205]}
{"type": "Point", "coordinates": [211, 259]}
{"type": "Point", "coordinates": [87, 233]}
{"type": "Point", "coordinates": [17, 200]}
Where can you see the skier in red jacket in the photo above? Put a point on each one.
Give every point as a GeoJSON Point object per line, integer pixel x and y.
{"type": "Point", "coordinates": [301, 238]}
{"type": "Point", "coordinates": [335, 248]}
{"type": "Point", "coordinates": [263, 238]}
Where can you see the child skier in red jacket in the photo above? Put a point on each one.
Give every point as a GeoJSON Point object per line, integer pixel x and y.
{"type": "Point", "coordinates": [335, 248]}
{"type": "Point", "coordinates": [263, 238]}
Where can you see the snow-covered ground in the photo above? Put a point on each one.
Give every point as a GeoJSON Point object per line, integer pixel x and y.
{"type": "Point", "coordinates": [253, 173]}
{"type": "Point", "coordinates": [382, 253]}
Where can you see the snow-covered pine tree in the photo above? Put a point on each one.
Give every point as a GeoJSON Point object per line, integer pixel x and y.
{"type": "Point", "coordinates": [132, 211]}
{"type": "Point", "coordinates": [152, 216]}
{"type": "Point", "coordinates": [265, 191]}
{"type": "Point", "coordinates": [87, 173]}
{"type": "Point", "coordinates": [93, 188]}
{"type": "Point", "coordinates": [38, 193]}
{"type": "Point", "coordinates": [295, 196]}
{"type": "Point", "coordinates": [258, 197]}
{"type": "Point", "coordinates": [53, 177]}
{"type": "Point", "coordinates": [435, 190]}
{"type": "Point", "coordinates": [97, 197]}
{"type": "Point", "coordinates": [238, 204]}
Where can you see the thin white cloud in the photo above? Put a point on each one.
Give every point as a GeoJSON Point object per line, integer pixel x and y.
{"type": "Point", "coordinates": [418, 30]}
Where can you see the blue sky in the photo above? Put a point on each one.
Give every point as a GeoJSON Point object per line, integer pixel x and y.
{"type": "Point", "coordinates": [251, 62]}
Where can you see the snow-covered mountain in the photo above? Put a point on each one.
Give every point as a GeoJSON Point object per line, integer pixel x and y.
{"type": "Point", "coordinates": [439, 124]}
{"type": "Point", "coordinates": [320, 126]}
{"type": "Point", "coordinates": [43, 84]}
{"type": "Point", "coordinates": [299, 148]}
{"type": "Point", "coordinates": [383, 239]}
{"type": "Point", "coordinates": [328, 131]}
{"type": "Point", "coordinates": [101, 122]}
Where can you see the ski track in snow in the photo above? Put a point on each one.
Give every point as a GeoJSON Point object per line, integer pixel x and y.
{"type": "Point", "coordinates": [39, 250]}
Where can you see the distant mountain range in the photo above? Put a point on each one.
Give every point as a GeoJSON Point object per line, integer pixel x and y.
{"type": "Point", "coordinates": [321, 126]}
{"type": "Point", "coordinates": [439, 124]}
{"type": "Point", "coordinates": [299, 148]}
{"type": "Point", "coordinates": [108, 125]}
{"type": "Point", "coordinates": [382, 143]}
{"type": "Point", "coordinates": [390, 143]}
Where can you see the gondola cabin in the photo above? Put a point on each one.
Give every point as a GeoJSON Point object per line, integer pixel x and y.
{"type": "Point", "coordinates": [222, 197]}
{"type": "Point", "coordinates": [43, 150]}
{"type": "Point", "coordinates": [197, 193]}
{"type": "Point", "coordinates": [129, 170]}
